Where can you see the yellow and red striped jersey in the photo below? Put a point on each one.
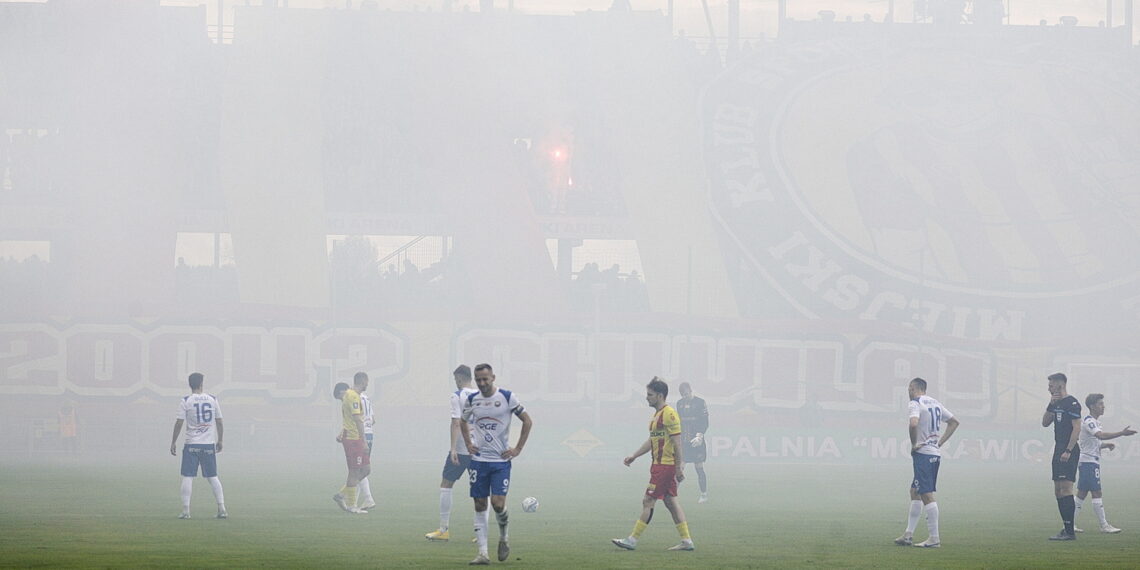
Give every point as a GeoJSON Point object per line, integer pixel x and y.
{"type": "Point", "coordinates": [665, 423]}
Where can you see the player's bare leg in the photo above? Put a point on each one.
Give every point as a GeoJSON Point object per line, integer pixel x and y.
{"type": "Point", "coordinates": [630, 542]}
{"type": "Point", "coordinates": [445, 493]}
{"type": "Point", "coordinates": [1067, 506]}
{"type": "Point", "coordinates": [702, 482]}
{"type": "Point", "coordinates": [481, 530]}
{"type": "Point", "coordinates": [1079, 502]}
{"type": "Point", "coordinates": [678, 514]}
{"type": "Point", "coordinates": [915, 512]}
{"type": "Point", "coordinates": [346, 498]}
{"type": "Point", "coordinates": [499, 503]}
{"type": "Point", "coordinates": [930, 505]}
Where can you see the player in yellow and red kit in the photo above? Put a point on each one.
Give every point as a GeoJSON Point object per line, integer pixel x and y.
{"type": "Point", "coordinates": [667, 470]}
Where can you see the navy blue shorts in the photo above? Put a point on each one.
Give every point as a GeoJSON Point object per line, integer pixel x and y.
{"type": "Point", "coordinates": [195, 454]}
{"type": "Point", "coordinates": [368, 439]}
{"type": "Point", "coordinates": [1090, 477]}
{"type": "Point", "coordinates": [451, 471]}
{"type": "Point", "coordinates": [925, 472]}
{"type": "Point", "coordinates": [489, 478]}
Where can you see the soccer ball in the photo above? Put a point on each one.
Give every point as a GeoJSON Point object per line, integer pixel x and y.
{"type": "Point", "coordinates": [530, 505]}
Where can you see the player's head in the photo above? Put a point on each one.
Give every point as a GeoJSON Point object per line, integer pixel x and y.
{"type": "Point", "coordinates": [1058, 383]}
{"type": "Point", "coordinates": [656, 392]}
{"type": "Point", "coordinates": [485, 378]}
{"type": "Point", "coordinates": [1095, 404]}
{"type": "Point", "coordinates": [916, 388]}
{"type": "Point", "coordinates": [360, 381]}
{"type": "Point", "coordinates": [462, 375]}
{"type": "Point", "coordinates": [196, 381]}
{"type": "Point", "coordinates": [685, 390]}
{"type": "Point", "coordinates": [339, 390]}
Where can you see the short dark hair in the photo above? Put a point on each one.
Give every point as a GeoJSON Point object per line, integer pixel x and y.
{"type": "Point", "coordinates": [340, 388]}
{"type": "Point", "coordinates": [1059, 377]}
{"type": "Point", "coordinates": [484, 366]}
{"type": "Point", "coordinates": [684, 385]}
{"type": "Point", "coordinates": [658, 385]}
{"type": "Point", "coordinates": [920, 383]}
{"type": "Point", "coordinates": [196, 380]}
{"type": "Point", "coordinates": [1092, 399]}
{"type": "Point", "coordinates": [359, 377]}
{"type": "Point", "coordinates": [463, 370]}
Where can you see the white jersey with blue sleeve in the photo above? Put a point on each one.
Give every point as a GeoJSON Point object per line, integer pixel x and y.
{"type": "Point", "coordinates": [1088, 442]}
{"type": "Point", "coordinates": [366, 413]}
{"type": "Point", "coordinates": [931, 415]}
{"type": "Point", "coordinates": [200, 412]}
{"type": "Point", "coordinates": [458, 399]}
{"type": "Point", "coordinates": [490, 420]}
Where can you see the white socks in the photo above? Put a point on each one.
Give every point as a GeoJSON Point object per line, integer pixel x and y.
{"type": "Point", "coordinates": [481, 530]}
{"type": "Point", "coordinates": [218, 496]}
{"type": "Point", "coordinates": [1098, 507]}
{"type": "Point", "coordinates": [912, 517]}
{"type": "Point", "coordinates": [1077, 501]}
{"type": "Point", "coordinates": [444, 507]}
{"type": "Point", "coordinates": [364, 492]}
{"type": "Point", "coordinates": [187, 488]}
{"type": "Point", "coordinates": [502, 520]}
{"type": "Point", "coordinates": [932, 520]}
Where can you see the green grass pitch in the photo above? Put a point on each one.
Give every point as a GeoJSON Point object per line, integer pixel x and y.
{"type": "Point", "coordinates": [62, 512]}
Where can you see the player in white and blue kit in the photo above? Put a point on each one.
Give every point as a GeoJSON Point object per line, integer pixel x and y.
{"type": "Point", "coordinates": [926, 418]}
{"type": "Point", "coordinates": [488, 412]}
{"type": "Point", "coordinates": [458, 458]}
{"type": "Point", "coordinates": [363, 488]}
{"type": "Point", "coordinates": [203, 419]}
{"type": "Point", "coordinates": [1092, 434]}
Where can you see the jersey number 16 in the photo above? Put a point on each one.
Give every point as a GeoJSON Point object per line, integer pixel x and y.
{"type": "Point", "coordinates": [205, 412]}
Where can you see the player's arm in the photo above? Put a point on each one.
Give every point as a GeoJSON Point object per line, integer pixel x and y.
{"type": "Point", "coordinates": [523, 435]}
{"type": "Point", "coordinates": [913, 434]}
{"type": "Point", "coordinates": [1113, 435]}
{"type": "Point", "coordinates": [174, 438]}
{"type": "Point", "coordinates": [700, 425]}
{"type": "Point", "coordinates": [1073, 435]}
{"type": "Point", "coordinates": [951, 426]}
{"type": "Point", "coordinates": [218, 446]}
{"type": "Point", "coordinates": [640, 451]}
{"type": "Point", "coordinates": [678, 457]}
{"type": "Point", "coordinates": [359, 419]}
{"type": "Point", "coordinates": [456, 433]}
{"type": "Point", "coordinates": [1047, 419]}
{"type": "Point", "coordinates": [703, 419]}
{"type": "Point", "coordinates": [466, 430]}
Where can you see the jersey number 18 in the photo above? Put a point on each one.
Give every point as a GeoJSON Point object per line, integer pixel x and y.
{"type": "Point", "coordinates": [935, 417]}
